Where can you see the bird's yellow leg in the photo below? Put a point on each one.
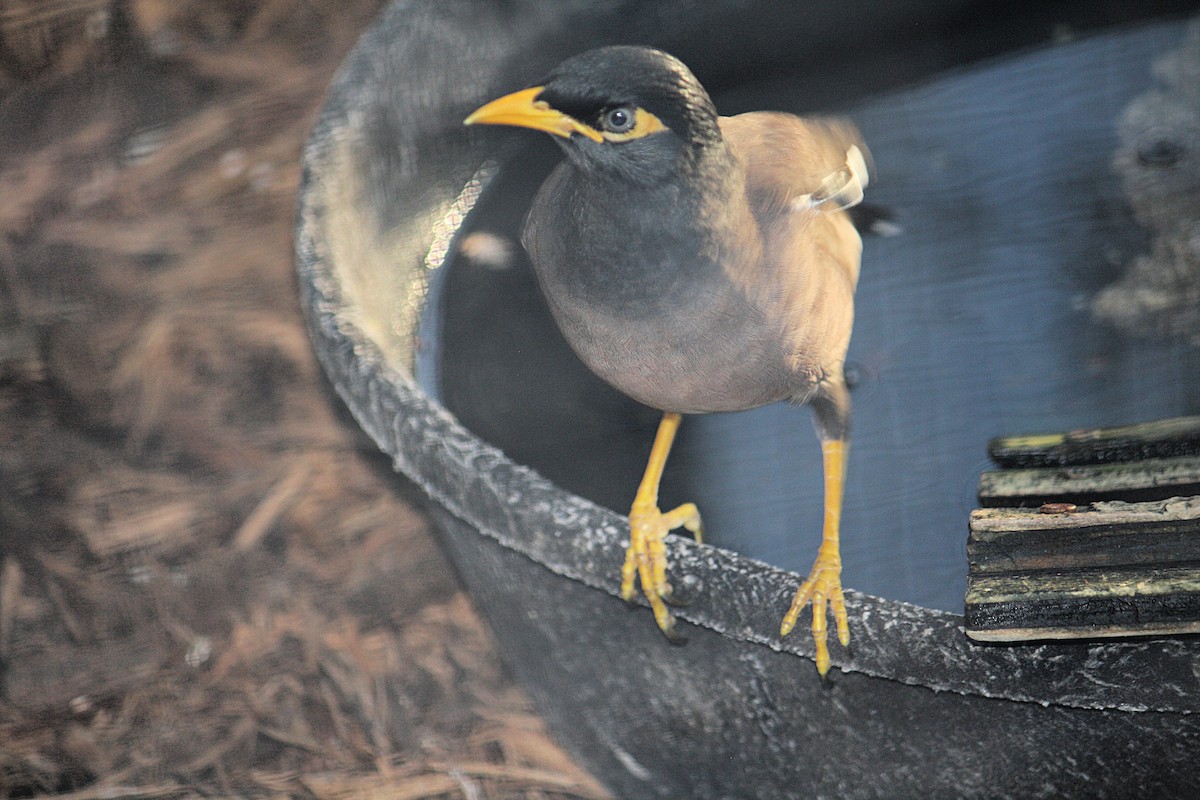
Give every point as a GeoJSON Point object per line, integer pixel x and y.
{"type": "Point", "coordinates": [823, 587]}
{"type": "Point", "coordinates": [646, 557]}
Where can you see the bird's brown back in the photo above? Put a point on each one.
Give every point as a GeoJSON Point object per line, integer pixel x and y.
{"type": "Point", "coordinates": [809, 270]}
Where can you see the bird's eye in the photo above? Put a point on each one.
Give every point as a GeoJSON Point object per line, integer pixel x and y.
{"type": "Point", "coordinates": [619, 120]}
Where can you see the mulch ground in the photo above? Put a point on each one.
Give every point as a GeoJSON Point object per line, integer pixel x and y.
{"type": "Point", "coordinates": [210, 582]}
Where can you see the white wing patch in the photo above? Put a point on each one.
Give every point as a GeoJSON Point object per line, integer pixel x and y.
{"type": "Point", "coordinates": [840, 190]}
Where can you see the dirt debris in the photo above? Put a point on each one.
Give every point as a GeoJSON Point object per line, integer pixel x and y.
{"type": "Point", "coordinates": [210, 583]}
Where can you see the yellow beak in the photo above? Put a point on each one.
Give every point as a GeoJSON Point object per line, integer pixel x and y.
{"type": "Point", "coordinates": [524, 110]}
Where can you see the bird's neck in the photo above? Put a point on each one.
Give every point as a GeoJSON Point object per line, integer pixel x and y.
{"type": "Point", "coordinates": [696, 193]}
{"type": "Point", "coordinates": [667, 235]}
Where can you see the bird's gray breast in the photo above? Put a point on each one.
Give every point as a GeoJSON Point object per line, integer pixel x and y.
{"type": "Point", "coordinates": [644, 297]}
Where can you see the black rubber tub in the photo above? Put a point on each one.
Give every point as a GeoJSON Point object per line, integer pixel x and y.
{"type": "Point", "coordinates": [994, 130]}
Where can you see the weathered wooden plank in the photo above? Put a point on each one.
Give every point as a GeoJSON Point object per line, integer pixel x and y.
{"type": "Point", "coordinates": [1084, 604]}
{"type": "Point", "coordinates": [1093, 630]}
{"type": "Point", "coordinates": [1151, 479]}
{"type": "Point", "coordinates": [1100, 535]}
{"type": "Point", "coordinates": [1108, 569]}
{"type": "Point", "coordinates": [986, 522]}
{"type": "Point", "coordinates": [1088, 584]}
{"type": "Point", "coordinates": [1167, 438]}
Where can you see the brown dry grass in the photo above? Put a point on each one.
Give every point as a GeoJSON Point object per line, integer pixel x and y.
{"type": "Point", "coordinates": [210, 584]}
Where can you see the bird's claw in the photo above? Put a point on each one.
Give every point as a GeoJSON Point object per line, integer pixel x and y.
{"type": "Point", "coordinates": [823, 588]}
{"type": "Point", "coordinates": [646, 558]}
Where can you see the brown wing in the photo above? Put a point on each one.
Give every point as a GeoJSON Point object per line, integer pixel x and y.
{"type": "Point", "coordinates": [796, 163]}
{"type": "Point", "coordinates": [800, 176]}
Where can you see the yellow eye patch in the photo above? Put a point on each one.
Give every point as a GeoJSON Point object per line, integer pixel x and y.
{"type": "Point", "coordinates": [644, 124]}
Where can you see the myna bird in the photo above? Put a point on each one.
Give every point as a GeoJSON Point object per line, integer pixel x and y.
{"type": "Point", "coordinates": [697, 263]}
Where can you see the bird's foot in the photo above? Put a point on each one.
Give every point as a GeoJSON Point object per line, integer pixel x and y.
{"type": "Point", "coordinates": [646, 557]}
{"type": "Point", "coordinates": [823, 588]}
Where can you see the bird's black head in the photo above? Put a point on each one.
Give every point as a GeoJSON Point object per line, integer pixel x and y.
{"type": "Point", "coordinates": [631, 109]}
{"type": "Point", "coordinates": [592, 84]}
